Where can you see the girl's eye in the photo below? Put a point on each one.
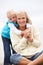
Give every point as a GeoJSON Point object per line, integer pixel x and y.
{"type": "Point", "coordinates": [10, 18]}
{"type": "Point", "coordinates": [13, 17]}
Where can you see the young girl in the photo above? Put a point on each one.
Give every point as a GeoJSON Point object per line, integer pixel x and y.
{"type": "Point", "coordinates": [11, 15]}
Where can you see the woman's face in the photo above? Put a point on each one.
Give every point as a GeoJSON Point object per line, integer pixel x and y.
{"type": "Point", "coordinates": [21, 19]}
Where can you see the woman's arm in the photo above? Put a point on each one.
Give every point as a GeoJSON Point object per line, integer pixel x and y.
{"type": "Point", "coordinates": [36, 39]}
{"type": "Point", "coordinates": [32, 36]}
{"type": "Point", "coordinates": [17, 43]}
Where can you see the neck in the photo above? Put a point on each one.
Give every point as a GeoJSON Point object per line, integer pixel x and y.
{"type": "Point", "coordinates": [22, 28]}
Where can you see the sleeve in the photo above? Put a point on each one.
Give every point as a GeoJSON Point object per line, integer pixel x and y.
{"type": "Point", "coordinates": [17, 43]}
{"type": "Point", "coordinates": [28, 25]}
{"type": "Point", "coordinates": [36, 43]}
{"type": "Point", "coordinates": [12, 27]}
{"type": "Point", "coordinates": [36, 38]}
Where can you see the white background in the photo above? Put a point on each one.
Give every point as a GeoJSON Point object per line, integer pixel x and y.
{"type": "Point", "coordinates": [34, 8]}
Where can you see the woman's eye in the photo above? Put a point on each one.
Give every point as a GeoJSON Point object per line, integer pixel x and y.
{"type": "Point", "coordinates": [23, 18]}
{"type": "Point", "coordinates": [19, 18]}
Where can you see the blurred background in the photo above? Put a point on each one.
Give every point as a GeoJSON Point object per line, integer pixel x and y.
{"type": "Point", "coordinates": [34, 8]}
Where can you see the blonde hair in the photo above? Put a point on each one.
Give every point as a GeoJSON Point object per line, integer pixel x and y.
{"type": "Point", "coordinates": [10, 13]}
{"type": "Point", "coordinates": [27, 17]}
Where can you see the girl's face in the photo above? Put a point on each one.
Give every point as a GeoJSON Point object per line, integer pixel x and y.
{"type": "Point", "coordinates": [21, 19]}
{"type": "Point", "coordinates": [13, 18]}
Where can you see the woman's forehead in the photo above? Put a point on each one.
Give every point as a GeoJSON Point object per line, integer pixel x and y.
{"type": "Point", "coordinates": [21, 14]}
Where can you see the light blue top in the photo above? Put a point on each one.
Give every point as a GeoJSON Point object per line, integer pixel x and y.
{"type": "Point", "coordinates": [6, 30]}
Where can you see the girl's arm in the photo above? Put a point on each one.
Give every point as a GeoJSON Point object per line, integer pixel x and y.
{"type": "Point", "coordinates": [12, 27]}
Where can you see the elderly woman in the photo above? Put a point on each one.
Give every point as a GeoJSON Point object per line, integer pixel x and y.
{"type": "Point", "coordinates": [27, 44]}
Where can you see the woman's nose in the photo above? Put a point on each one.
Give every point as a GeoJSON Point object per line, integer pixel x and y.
{"type": "Point", "coordinates": [21, 20]}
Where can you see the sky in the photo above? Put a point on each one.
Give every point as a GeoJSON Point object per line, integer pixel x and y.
{"type": "Point", "coordinates": [34, 8]}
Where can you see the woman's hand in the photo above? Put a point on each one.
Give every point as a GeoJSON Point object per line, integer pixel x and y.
{"type": "Point", "coordinates": [28, 35]}
{"type": "Point", "coordinates": [22, 33]}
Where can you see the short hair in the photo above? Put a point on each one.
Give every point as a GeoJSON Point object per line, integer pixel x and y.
{"type": "Point", "coordinates": [10, 13]}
